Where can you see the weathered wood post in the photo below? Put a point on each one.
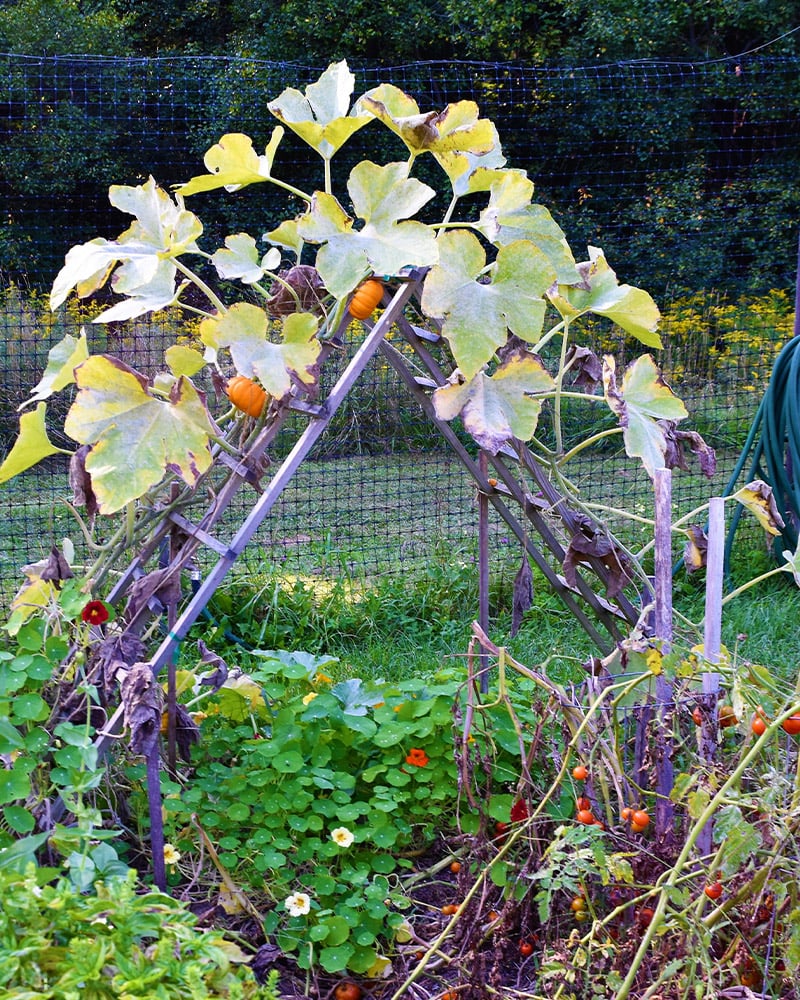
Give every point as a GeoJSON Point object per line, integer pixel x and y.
{"type": "Point", "coordinates": [665, 707]}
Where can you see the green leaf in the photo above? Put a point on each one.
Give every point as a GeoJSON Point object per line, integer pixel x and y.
{"type": "Point", "coordinates": [320, 116]}
{"type": "Point", "coordinates": [643, 400]}
{"type": "Point", "coordinates": [243, 329]}
{"type": "Point", "coordinates": [382, 196]}
{"type": "Point", "coordinates": [478, 316]}
{"type": "Point", "coordinates": [10, 737]}
{"type": "Point", "coordinates": [599, 292]}
{"type": "Point", "coordinates": [511, 215]}
{"type": "Point", "coordinates": [455, 129]}
{"type": "Point", "coordinates": [20, 820]}
{"type": "Point", "coordinates": [134, 436]}
{"type": "Point", "coordinates": [336, 959]}
{"type": "Point", "coordinates": [500, 407]}
{"type": "Point", "coordinates": [62, 360]}
{"type": "Point", "coordinates": [31, 446]}
{"type": "Point", "coordinates": [233, 164]}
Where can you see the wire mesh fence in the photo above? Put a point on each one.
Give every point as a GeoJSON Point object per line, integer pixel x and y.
{"type": "Point", "coordinates": [683, 174]}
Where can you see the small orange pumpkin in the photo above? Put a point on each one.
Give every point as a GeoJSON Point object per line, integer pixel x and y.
{"type": "Point", "coordinates": [366, 298]}
{"type": "Point", "coordinates": [246, 395]}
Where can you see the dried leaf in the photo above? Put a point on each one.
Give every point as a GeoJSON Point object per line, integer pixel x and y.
{"type": "Point", "coordinates": [56, 568]}
{"type": "Point", "coordinates": [587, 545]}
{"type": "Point", "coordinates": [759, 499]}
{"type": "Point", "coordinates": [162, 585]}
{"type": "Point", "coordinates": [117, 653]}
{"type": "Point", "coordinates": [216, 679]}
{"type": "Point", "coordinates": [187, 732]}
{"type": "Point", "coordinates": [308, 287]}
{"type": "Point", "coordinates": [675, 457]}
{"type": "Point", "coordinates": [586, 368]}
{"type": "Point", "coordinates": [523, 594]}
{"type": "Point", "coordinates": [81, 482]}
{"type": "Point", "coordinates": [696, 550]}
{"type": "Point", "coordinates": [142, 702]}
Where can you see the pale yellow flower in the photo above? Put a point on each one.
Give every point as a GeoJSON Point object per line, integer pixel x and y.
{"type": "Point", "coordinates": [309, 697]}
{"type": "Point", "coordinates": [171, 855]}
{"type": "Point", "coordinates": [342, 836]}
{"type": "Point", "coordinates": [298, 904]}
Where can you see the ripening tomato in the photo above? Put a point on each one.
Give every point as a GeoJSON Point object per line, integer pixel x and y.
{"type": "Point", "coordinates": [582, 803]}
{"type": "Point", "coordinates": [347, 991]}
{"type": "Point", "coordinates": [525, 948]}
{"type": "Point", "coordinates": [791, 725]}
{"type": "Point", "coordinates": [697, 716]}
{"type": "Point", "coordinates": [626, 813]}
{"type": "Point", "coordinates": [727, 717]}
{"type": "Point", "coordinates": [455, 867]}
{"type": "Point", "coordinates": [758, 725]}
{"type": "Point", "coordinates": [640, 818]}
{"type": "Point", "coordinates": [449, 909]}
{"type": "Point", "coordinates": [645, 916]}
{"type": "Point", "coordinates": [577, 903]}
{"type": "Point", "coordinates": [713, 891]}
{"type": "Point", "coordinates": [585, 816]}
{"type": "Point", "coordinates": [580, 772]}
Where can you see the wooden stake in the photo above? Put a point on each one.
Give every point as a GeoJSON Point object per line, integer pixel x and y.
{"type": "Point", "coordinates": [665, 810]}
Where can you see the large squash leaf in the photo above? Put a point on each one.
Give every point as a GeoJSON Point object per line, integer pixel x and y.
{"type": "Point", "coordinates": [233, 164]}
{"type": "Point", "coordinates": [511, 215]}
{"type": "Point", "coordinates": [162, 229]}
{"type": "Point", "coordinates": [477, 315]}
{"type": "Point", "coordinates": [382, 196]}
{"type": "Point", "coordinates": [643, 399]}
{"type": "Point", "coordinates": [497, 408]}
{"type": "Point", "coordinates": [135, 437]}
{"type": "Point", "coordinates": [455, 129]}
{"type": "Point", "coordinates": [321, 116]}
{"type": "Point", "coordinates": [243, 329]}
{"type": "Point", "coordinates": [599, 292]}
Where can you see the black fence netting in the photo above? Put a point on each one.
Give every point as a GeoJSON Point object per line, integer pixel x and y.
{"type": "Point", "coordinates": [685, 175]}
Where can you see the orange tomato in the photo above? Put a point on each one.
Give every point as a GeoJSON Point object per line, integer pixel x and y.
{"type": "Point", "coordinates": [791, 725]}
{"type": "Point", "coordinates": [758, 725]}
{"type": "Point", "coordinates": [727, 717]}
{"type": "Point", "coordinates": [640, 818]}
{"type": "Point", "coordinates": [585, 816]}
{"type": "Point", "coordinates": [580, 773]}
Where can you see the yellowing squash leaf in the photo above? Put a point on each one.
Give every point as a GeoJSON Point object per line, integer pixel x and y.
{"type": "Point", "coordinates": [243, 329]}
{"type": "Point", "coordinates": [233, 164]}
{"type": "Point", "coordinates": [640, 403]}
{"type": "Point", "coordinates": [759, 499]}
{"type": "Point", "coordinates": [62, 360]}
{"type": "Point", "coordinates": [31, 446]}
{"type": "Point", "coordinates": [500, 407]}
{"type": "Point", "coordinates": [477, 314]}
{"type": "Point", "coordinates": [135, 437]}
{"type": "Point", "coordinates": [321, 116]}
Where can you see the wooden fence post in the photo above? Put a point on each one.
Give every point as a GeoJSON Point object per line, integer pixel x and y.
{"type": "Point", "coordinates": [665, 810]}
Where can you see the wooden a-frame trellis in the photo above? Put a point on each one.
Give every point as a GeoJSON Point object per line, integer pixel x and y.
{"type": "Point", "coordinates": [552, 522]}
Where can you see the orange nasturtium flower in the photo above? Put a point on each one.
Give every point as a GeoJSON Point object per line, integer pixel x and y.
{"type": "Point", "coordinates": [417, 757]}
{"type": "Point", "coordinates": [94, 613]}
